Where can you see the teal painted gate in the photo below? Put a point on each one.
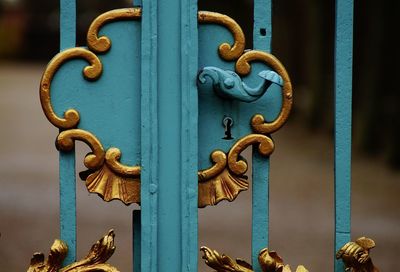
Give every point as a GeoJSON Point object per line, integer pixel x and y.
{"type": "Point", "coordinates": [167, 98]}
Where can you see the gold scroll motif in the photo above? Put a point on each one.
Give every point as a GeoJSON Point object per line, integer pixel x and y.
{"type": "Point", "coordinates": [106, 176]}
{"type": "Point", "coordinates": [355, 255]}
{"type": "Point", "coordinates": [226, 178]}
{"type": "Point", "coordinates": [100, 252]}
{"type": "Point", "coordinates": [225, 50]}
{"type": "Point", "coordinates": [103, 44]}
{"type": "Point", "coordinates": [269, 261]}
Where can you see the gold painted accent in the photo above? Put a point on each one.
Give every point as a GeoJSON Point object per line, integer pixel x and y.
{"type": "Point", "coordinates": [94, 261]}
{"type": "Point", "coordinates": [269, 261]}
{"type": "Point", "coordinates": [225, 186]}
{"type": "Point", "coordinates": [107, 176]}
{"type": "Point", "coordinates": [239, 166]}
{"type": "Point", "coordinates": [90, 72]}
{"type": "Point", "coordinates": [226, 178]}
{"type": "Point", "coordinates": [113, 156]}
{"type": "Point", "coordinates": [219, 158]}
{"type": "Point", "coordinates": [226, 51]}
{"type": "Point", "coordinates": [66, 142]}
{"type": "Point", "coordinates": [243, 68]}
{"type": "Point", "coordinates": [355, 255]}
{"type": "Point", "coordinates": [109, 185]}
{"type": "Point", "coordinates": [102, 44]}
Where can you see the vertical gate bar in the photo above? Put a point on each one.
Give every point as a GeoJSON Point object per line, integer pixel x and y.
{"type": "Point", "coordinates": [149, 138]}
{"type": "Point", "coordinates": [136, 240]}
{"type": "Point", "coordinates": [260, 179]}
{"type": "Point", "coordinates": [169, 136]}
{"type": "Point", "coordinates": [189, 134]}
{"type": "Point", "coordinates": [343, 114]}
{"type": "Point", "coordinates": [67, 160]}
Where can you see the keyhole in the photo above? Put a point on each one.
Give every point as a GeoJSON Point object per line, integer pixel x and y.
{"type": "Point", "coordinates": [228, 124]}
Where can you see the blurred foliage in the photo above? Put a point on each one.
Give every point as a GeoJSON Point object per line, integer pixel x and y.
{"type": "Point", "coordinates": [303, 38]}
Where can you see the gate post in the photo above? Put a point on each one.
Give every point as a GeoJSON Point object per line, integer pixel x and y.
{"type": "Point", "coordinates": [169, 136]}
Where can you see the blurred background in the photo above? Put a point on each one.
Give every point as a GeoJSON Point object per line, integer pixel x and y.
{"type": "Point", "coordinates": [301, 167]}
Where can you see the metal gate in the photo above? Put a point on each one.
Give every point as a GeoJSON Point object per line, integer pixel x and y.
{"type": "Point", "coordinates": [167, 98]}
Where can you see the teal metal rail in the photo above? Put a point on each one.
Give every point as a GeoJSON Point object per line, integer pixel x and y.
{"type": "Point", "coordinates": [67, 160]}
{"type": "Point", "coordinates": [343, 114]}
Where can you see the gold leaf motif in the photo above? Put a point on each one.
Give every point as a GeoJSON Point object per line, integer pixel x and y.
{"type": "Point", "coordinates": [94, 261]}
{"type": "Point", "coordinates": [269, 261]}
{"type": "Point", "coordinates": [355, 255]}
{"type": "Point", "coordinates": [109, 186]}
{"type": "Point", "coordinates": [225, 186]}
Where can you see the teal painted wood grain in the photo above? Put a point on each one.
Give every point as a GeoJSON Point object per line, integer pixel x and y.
{"type": "Point", "coordinates": [260, 178]}
{"type": "Point", "coordinates": [67, 160]}
{"type": "Point", "coordinates": [343, 114]}
{"type": "Point", "coordinates": [169, 129]}
{"type": "Point", "coordinates": [137, 233]}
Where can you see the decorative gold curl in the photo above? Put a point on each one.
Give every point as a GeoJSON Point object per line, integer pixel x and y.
{"type": "Point", "coordinates": [90, 72]}
{"type": "Point", "coordinates": [94, 261]}
{"type": "Point", "coordinates": [243, 67]}
{"type": "Point", "coordinates": [269, 261]}
{"type": "Point", "coordinates": [113, 155]}
{"type": "Point", "coordinates": [265, 147]}
{"type": "Point", "coordinates": [226, 51]}
{"type": "Point", "coordinates": [219, 158]}
{"type": "Point", "coordinates": [102, 44]}
{"type": "Point", "coordinates": [66, 142]}
{"type": "Point", "coordinates": [109, 178]}
{"type": "Point", "coordinates": [226, 179]}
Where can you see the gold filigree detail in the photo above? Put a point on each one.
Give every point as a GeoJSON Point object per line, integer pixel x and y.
{"type": "Point", "coordinates": [218, 157]}
{"type": "Point", "coordinates": [355, 255]}
{"type": "Point", "coordinates": [66, 142]}
{"type": "Point", "coordinates": [90, 72]}
{"type": "Point", "coordinates": [103, 44]}
{"type": "Point", "coordinates": [243, 67]}
{"type": "Point", "coordinates": [265, 148]}
{"type": "Point", "coordinates": [107, 177]}
{"type": "Point", "coordinates": [226, 51]}
{"type": "Point", "coordinates": [269, 261]}
{"type": "Point", "coordinates": [113, 155]}
{"type": "Point", "coordinates": [109, 185]}
{"type": "Point", "coordinates": [226, 178]}
{"type": "Point", "coordinates": [94, 261]}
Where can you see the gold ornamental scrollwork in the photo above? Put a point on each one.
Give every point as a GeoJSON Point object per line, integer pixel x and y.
{"type": "Point", "coordinates": [226, 51]}
{"type": "Point", "coordinates": [226, 178]}
{"type": "Point", "coordinates": [243, 67]}
{"type": "Point", "coordinates": [269, 261]}
{"type": "Point", "coordinates": [96, 260]}
{"type": "Point", "coordinates": [107, 176]}
{"type": "Point", "coordinates": [91, 72]}
{"type": "Point", "coordinates": [355, 255]}
{"type": "Point", "coordinates": [103, 44]}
